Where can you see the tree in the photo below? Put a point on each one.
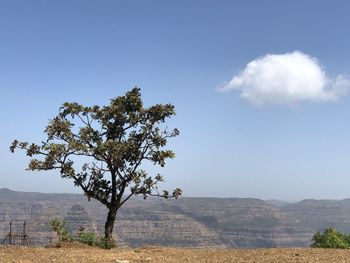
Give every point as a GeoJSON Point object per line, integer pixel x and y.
{"type": "Point", "coordinates": [110, 143]}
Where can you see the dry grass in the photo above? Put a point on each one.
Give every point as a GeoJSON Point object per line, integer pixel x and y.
{"type": "Point", "coordinates": [161, 254]}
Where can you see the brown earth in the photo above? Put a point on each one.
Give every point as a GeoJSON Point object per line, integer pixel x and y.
{"type": "Point", "coordinates": [162, 254]}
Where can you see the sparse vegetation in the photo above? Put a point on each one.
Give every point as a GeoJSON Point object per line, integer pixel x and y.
{"type": "Point", "coordinates": [93, 239]}
{"type": "Point", "coordinates": [89, 238]}
{"type": "Point", "coordinates": [331, 238]}
{"type": "Point", "coordinates": [58, 225]}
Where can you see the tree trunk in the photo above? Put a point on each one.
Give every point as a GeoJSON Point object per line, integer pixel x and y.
{"type": "Point", "coordinates": [109, 228]}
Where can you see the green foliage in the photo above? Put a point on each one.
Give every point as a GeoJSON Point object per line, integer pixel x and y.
{"type": "Point", "coordinates": [115, 139]}
{"type": "Point", "coordinates": [108, 243]}
{"type": "Point", "coordinates": [89, 238]}
{"type": "Point", "coordinates": [92, 239]}
{"type": "Point", "coordinates": [57, 225]}
{"type": "Point", "coordinates": [331, 238]}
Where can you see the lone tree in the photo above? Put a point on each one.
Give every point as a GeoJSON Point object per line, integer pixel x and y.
{"type": "Point", "coordinates": [110, 144]}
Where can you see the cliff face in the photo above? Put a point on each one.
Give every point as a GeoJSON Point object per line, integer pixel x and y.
{"type": "Point", "coordinates": [77, 219]}
{"type": "Point", "coordinates": [188, 222]}
{"type": "Point", "coordinates": [245, 222]}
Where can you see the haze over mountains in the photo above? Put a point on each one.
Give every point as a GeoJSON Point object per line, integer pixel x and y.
{"type": "Point", "coordinates": [187, 222]}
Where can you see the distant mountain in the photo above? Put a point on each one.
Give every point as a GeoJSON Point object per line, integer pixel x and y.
{"type": "Point", "coordinates": [279, 203]}
{"type": "Point", "coordinates": [187, 222]}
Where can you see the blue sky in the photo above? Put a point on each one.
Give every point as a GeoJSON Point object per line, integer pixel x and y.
{"type": "Point", "coordinates": [289, 147]}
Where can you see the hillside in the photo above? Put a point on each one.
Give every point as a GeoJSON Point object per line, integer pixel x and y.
{"type": "Point", "coordinates": [188, 222]}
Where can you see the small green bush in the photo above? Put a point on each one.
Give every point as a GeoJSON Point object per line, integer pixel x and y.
{"type": "Point", "coordinates": [58, 225]}
{"type": "Point", "coordinates": [108, 243]}
{"type": "Point", "coordinates": [89, 238]}
{"type": "Point", "coordinates": [92, 239]}
{"type": "Point", "coordinates": [331, 238]}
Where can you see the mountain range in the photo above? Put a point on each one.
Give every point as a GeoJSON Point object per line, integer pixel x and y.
{"type": "Point", "coordinates": [187, 222]}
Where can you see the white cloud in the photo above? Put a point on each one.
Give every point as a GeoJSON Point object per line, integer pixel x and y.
{"type": "Point", "coordinates": [286, 78]}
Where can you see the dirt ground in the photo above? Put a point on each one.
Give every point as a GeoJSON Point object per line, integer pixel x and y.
{"type": "Point", "coordinates": [161, 254]}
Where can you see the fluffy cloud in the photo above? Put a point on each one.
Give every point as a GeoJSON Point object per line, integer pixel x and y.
{"type": "Point", "coordinates": [286, 78]}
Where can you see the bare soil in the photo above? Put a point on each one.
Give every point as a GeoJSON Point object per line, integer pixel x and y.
{"type": "Point", "coordinates": [178, 255]}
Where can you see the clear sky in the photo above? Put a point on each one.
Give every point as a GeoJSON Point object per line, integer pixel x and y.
{"type": "Point", "coordinates": [278, 127]}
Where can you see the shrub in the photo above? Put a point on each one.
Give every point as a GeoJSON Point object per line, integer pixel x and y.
{"type": "Point", "coordinates": [89, 238]}
{"type": "Point", "coordinates": [108, 243]}
{"type": "Point", "coordinates": [92, 239]}
{"type": "Point", "coordinates": [58, 225]}
{"type": "Point", "coordinates": [330, 238]}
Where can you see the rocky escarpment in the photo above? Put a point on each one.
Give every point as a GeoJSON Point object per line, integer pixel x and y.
{"type": "Point", "coordinates": [77, 219]}
{"type": "Point", "coordinates": [138, 225]}
{"type": "Point", "coordinates": [246, 222]}
{"type": "Point", "coordinates": [188, 222]}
